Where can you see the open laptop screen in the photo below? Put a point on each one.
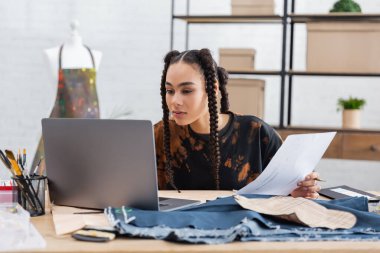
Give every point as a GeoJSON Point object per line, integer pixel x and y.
{"type": "Point", "coordinates": [93, 163]}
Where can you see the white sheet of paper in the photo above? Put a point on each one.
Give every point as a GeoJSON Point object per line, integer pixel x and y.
{"type": "Point", "coordinates": [297, 157]}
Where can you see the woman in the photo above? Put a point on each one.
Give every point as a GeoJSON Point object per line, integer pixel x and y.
{"type": "Point", "coordinates": [200, 148]}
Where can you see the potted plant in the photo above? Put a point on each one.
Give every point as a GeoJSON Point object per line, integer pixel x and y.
{"type": "Point", "coordinates": [351, 111]}
{"type": "Point", "coordinates": [346, 6]}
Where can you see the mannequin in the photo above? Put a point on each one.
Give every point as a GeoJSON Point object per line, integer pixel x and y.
{"type": "Point", "coordinates": [73, 66]}
{"type": "Point", "coordinates": [74, 52]}
{"type": "Point", "coordinates": [73, 70]}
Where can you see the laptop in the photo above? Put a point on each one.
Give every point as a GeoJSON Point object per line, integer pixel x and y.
{"type": "Point", "coordinates": [97, 163]}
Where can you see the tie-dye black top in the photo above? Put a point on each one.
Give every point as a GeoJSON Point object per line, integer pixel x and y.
{"type": "Point", "coordinates": [247, 145]}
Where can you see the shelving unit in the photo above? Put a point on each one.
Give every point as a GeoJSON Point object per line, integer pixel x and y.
{"type": "Point", "coordinates": [369, 140]}
{"type": "Point", "coordinates": [301, 18]}
{"type": "Point", "coordinates": [251, 19]}
{"type": "Point", "coordinates": [225, 19]}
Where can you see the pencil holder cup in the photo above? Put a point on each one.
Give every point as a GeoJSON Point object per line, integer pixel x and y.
{"type": "Point", "coordinates": [31, 193]}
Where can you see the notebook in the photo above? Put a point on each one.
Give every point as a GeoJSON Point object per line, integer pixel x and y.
{"type": "Point", "coordinates": [344, 191]}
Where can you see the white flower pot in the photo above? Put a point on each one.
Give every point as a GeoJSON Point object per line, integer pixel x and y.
{"type": "Point", "coordinates": [351, 118]}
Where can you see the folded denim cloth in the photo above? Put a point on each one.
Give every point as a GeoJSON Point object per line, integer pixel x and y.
{"type": "Point", "coordinates": [223, 220]}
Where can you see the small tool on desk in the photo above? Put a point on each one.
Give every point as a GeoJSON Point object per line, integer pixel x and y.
{"type": "Point", "coordinates": [14, 165]}
{"type": "Point", "coordinates": [19, 158]}
{"type": "Point", "coordinates": [21, 163]}
{"type": "Point", "coordinates": [39, 174]}
{"type": "Point", "coordinates": [5, 160]}
{"type": "Point", "coordinates": [24, 157]}
{"type": "Point", "coordinates": [93, 235]}
{"type": "Point", "coordinates": [36, 168]}
{"type": "Point", "coordinates": [41, 168]}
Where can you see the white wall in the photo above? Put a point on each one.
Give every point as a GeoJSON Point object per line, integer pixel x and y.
{"type": "Point", "coordinates": [134, 36]}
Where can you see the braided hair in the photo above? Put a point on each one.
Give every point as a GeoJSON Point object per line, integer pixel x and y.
{"type": "Point", "coordinates": [211, 72]}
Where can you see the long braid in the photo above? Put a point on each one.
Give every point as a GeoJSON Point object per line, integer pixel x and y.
{"type": "Point", "coordinates": [211, 73]}
{"type": "Point", "coordinates": [223, 79]}
{"type": "Point", "coordinates": [207, 64]}
{"type": "Point", "coordinates": [165, 119]}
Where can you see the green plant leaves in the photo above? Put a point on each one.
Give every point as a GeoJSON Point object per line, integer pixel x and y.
{"type": "Point", "coordinates": [346, 6]}
{"type": "Point", "coordinates": [351, 103]}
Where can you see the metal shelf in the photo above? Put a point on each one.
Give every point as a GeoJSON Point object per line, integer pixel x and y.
{"type": "Point", "coordinates": [328, 129]}
{"type": "Point", "coordinates": [296, 18]}
{"type": "Point", "coordinates": [303, 73]}
{"type": "Point", "coordinates": [355, 17]}
{"type": "Point", "coordinates": [311, 73]}
{"type": "Point", "coordinates": [229, 19]}
{"type": "Point", "coordinates": [256, 72]}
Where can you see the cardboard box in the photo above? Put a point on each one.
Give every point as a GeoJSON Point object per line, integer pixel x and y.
{"type": "Point", "coordinates": [252, 7]}
{"type": "Point", "coordinates": [246, 96]}
{"type": "Point", "coordinates": [343, 47]}
{"type": "Point", "coordinates": [237, 59]}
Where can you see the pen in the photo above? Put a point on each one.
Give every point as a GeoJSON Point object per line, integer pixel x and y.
{"type": "Point", "coordinates": [14, 164]}
{"type": "Point", "coordinates": [24, 157]}
{"type": "Point", "coordinates": [19, 158]}
{"type": "Point", "coordinates": [41, 169]}
{"type": "Point", "coordinates": [21, 162]}
{"type": "Point", "coordinates": [38, 165]}
{"type": "Point", "coordinates": [319, 180]}
{"type": "Point", "coordinates": [5, 160]}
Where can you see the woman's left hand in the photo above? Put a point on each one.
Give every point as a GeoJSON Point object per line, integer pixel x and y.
{"type": "Point", "coordinates": [308, 188]}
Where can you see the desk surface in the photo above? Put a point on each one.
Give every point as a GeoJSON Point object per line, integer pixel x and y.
{"type": "Point", "coordinates": [44, 225]}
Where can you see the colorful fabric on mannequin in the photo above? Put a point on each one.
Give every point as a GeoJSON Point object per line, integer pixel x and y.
{"type": "Point", "coordinates": [76, 96]}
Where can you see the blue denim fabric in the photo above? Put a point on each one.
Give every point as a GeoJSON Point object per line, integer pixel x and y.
{"type": "Point", "coordinates": [223, 220]}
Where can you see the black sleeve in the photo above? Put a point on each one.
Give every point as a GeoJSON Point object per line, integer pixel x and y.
{"type": "Point", "coordinates": [270, 143]}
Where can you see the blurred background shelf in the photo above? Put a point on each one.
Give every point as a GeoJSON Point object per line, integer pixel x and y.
{"type": "Point", "coordinates": [353, 17]}
{"type": "Point", "coordinates": [363, 144]}
{"type": "Point", "coordinates": [225, 19]}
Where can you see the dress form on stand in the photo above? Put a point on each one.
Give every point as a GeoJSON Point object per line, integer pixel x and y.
{"type": "Point", "coordinates": [73, 81]}
{"type": "Point", "coordinates": [75, 54]}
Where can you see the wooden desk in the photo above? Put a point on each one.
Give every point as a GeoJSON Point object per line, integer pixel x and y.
{"type": "Point", "coordinates": [44, 224]}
